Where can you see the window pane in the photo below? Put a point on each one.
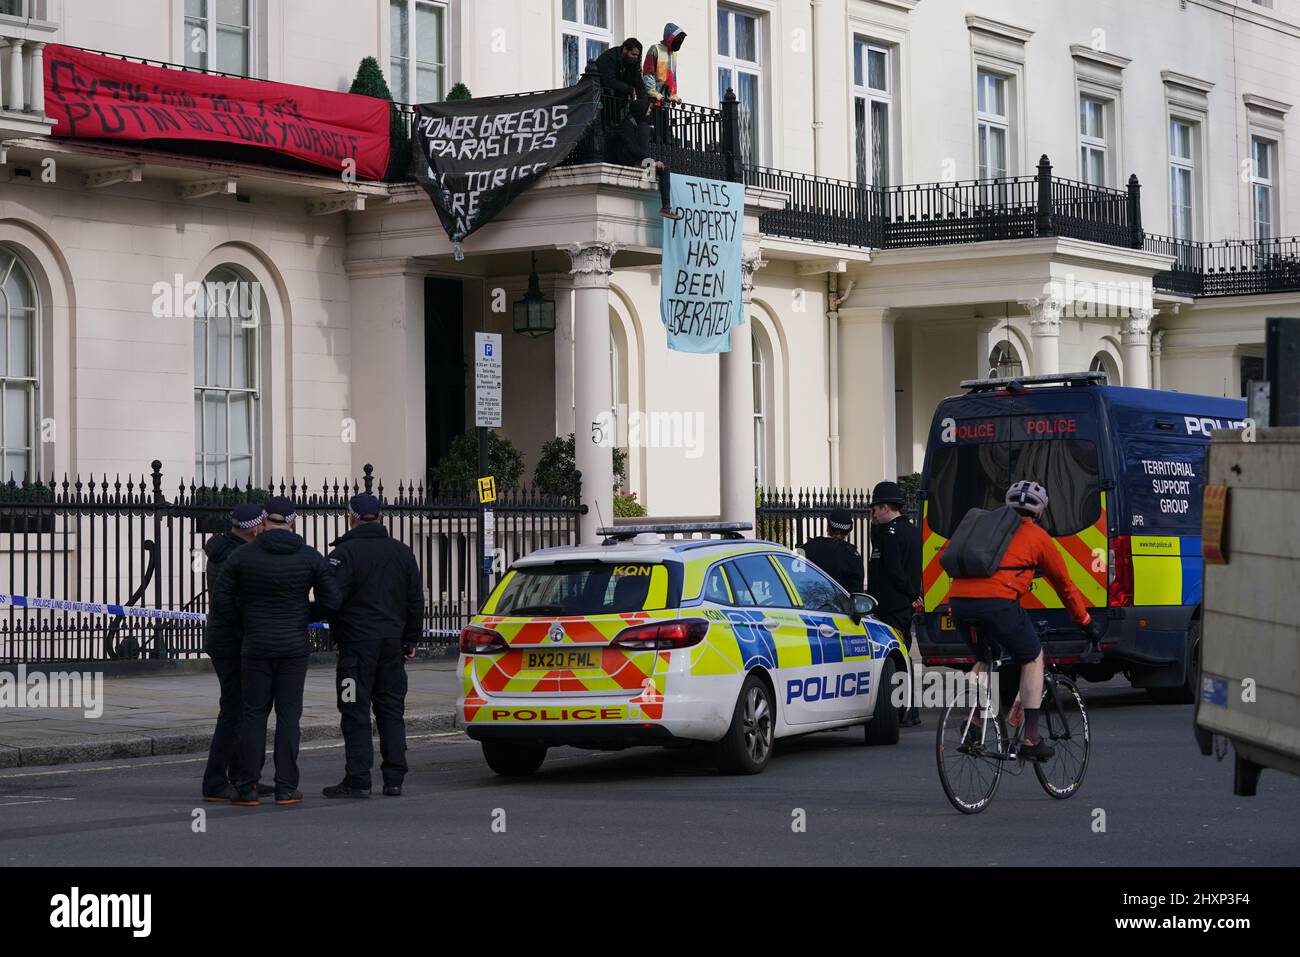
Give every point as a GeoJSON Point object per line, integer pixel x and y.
{"type": "Point", "coordinates": [241, 435]}
{"type": "Point", "coordinates": [570, 11]}
{"type": "Point", "coordinates": [219, 352]}
{"type": "Point", "coordinates": [748, 96]}
{"type": "Point", "coordinates": [16, 288]}
{"type": "Point", "coordinates": [860, 138]}
{"type": "Point", "coordinates": [428, 84]}
{"type": "Point", "coordinates": [594, 49]}
{"type": "Point", "coordinates": [877, 63]}
{"type": "Point", "coordinates": [816, 591]}
{"type": "Point", "coordinates": [19, 351]}
{"type": "Point", "coordinates": [746, 38]}
{"type": "Point", "coordinates": [1263, 212]}
{"type": "Point", "coordinates": [196, 44]}
{"type": "Point", "coordinates": [400, 74]}
{"type": "Point", "coordinates": [214, 423]}
{"type": "Point", "coordinates": [880, 144]}
{"type": "Point", "coordinates": [997, 95]}
{"type": "Point", "coordinates": [233, 12]}
{"type": "Point", "coordinates": [761, 584]}
{"type": "Point", "coordinates": [724, 32]}
{"type": "Point", "coordinates": [998, 151]}
{"type": "Point", "coordinates": [981, 92]}
{"type": "Point", "coordinates": [17, 428]}
{"type": "Point", "coordinates": [397, 28]}
{"type": "Point", "coordinates": [1261, 150]}
{"type": "Point", "coordinates": [595, 13]}
{"type": "Point", "coordinates": [1180, 140]}
{"type": "Point", "coordinates": [724, 84]}
{"type": "Point", "coordinates": [232, 51]}
{"type": "Point", "coordinates": [196, 8]}
{"type": "Point", "coordinates": [15, 465]}
{"type": "Point", "coordinates": [859, 53]}
{"type": "Point", "coordinates": [428, 34]}
{"type": "Point", "coordinates": [571, 67]}
{"type": "Point", "coordinates": [200, 352]}
{"type": "Point", "coordinates": [984, 151]}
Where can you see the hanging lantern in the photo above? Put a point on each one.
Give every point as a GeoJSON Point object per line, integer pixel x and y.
{"type": "Point", "coordinates": [534, 314]}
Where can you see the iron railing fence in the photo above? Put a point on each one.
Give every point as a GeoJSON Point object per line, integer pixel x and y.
{"type": "Point", "coordinates": [791, 517]}
{"type": "Point", "coordinates": [1230, 267]}
{"type": "Point", "coordinates": [819, 208]}
{"type": "Point", "coordinates": [133, 543]}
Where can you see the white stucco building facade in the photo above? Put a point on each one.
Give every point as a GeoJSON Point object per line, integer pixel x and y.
{"type": "Point", "coordinates": [850, 345]}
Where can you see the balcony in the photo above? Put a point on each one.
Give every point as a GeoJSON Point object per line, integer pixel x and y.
{"type": "Point", "coordinates": [24, 31]}
{"type": "Point", "coordinates": [1230, 267]}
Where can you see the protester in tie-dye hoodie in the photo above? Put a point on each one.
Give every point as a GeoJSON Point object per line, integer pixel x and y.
{"type": "Point", "coordinates": [660, 69]}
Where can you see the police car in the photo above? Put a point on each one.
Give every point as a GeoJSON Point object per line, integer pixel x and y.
{"type": "Point", "coordinates": [647, 640]}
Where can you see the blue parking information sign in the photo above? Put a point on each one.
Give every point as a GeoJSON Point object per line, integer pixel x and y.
{"type": "Point", "coordinates": [487, 380]}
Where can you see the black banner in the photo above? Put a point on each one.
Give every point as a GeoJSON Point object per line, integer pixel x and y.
{"type": "Point", "coordinates": [473, 157]}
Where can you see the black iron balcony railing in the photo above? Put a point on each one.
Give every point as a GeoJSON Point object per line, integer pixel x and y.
{"type": "Point", "coordinates": [1230, 267]}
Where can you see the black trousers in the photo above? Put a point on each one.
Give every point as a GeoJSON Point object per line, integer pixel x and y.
{"type": "Point", "coordinates": [223, 766]}
{"type": "Point", "coordinates": [271, 682]}
{"type": "Point", "coordinates": [372, 676]}
{"type": "Point", "coordinates": [901, 618]}
{"type": "Point", "coordinates": [634, 148]}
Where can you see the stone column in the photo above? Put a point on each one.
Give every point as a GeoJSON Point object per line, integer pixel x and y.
{"type": "Point", "coordinates": [38, 78]}
{"type": "Point", "coordinates": [1045, 327]}
{"type": "Point", "coordinates": [1135, 338]}
{"type": "Point", "coordinates": [594, 428]}
{"type": "Point", "coordinates": [563, 357]}
{"type": "Point", "coordinates": [868, 449]}
{"type": "Point", "coordinates": [15, 98]}
{"type": "Point", "coordinates": [736, 411]}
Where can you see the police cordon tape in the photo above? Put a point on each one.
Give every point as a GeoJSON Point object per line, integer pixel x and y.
{"type": "Point", "coordinates": [163, 614]}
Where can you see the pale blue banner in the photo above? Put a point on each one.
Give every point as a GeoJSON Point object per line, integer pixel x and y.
{"type": "Point", "coordinates": [700, 297]}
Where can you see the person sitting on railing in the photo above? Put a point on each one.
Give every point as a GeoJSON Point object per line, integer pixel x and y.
{"type": "Point", "coordinates": [620, 78]}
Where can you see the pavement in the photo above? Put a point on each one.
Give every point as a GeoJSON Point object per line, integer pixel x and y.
{"type": "Point", "coordinates": [174, 713]}
{"type": "Point", "coordinates": [1149, 798]}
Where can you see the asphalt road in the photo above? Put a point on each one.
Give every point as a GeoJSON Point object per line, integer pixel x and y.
{"type": "Point", "coordinates": [1163, 803]}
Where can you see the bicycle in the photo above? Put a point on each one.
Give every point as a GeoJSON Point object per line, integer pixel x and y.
{"type": "Point", "coordinates": [973, 746]}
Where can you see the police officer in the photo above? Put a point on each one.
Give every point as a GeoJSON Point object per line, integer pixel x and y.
{"type": "Point", "coordinates": [221, 641]}
{"type": "Point", "coordinates": [265, 587]}
{"type": "Point", "coordinates": [376, 628]}
{"type": "Point", "coordinates": [835, 554]}
{"type": "Point", "coordinates": [894, 568]}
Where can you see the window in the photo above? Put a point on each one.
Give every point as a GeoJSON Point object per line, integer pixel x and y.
{"type": "Point", "coordinates": [1092, 140]}
{"type": "Point", "coordinates": [1104, 362]}
{"type": "Point", "coordinates": [755, 582]}
{"type": "Point", "coordinates": [226, 322]}
{"type": "Point", "coordinates": [1182, 172]}
{"type": "Point", "coordinates": [993, 123]}
{"type": "Point", "coordinates": [586, 31]}
{"type": "Point", "coordinates": [760, 412]}
{"type": "Point", "coordinates": [1252, 370]}
{"type": "Point", "coordinates": [872, 108]}
{"type": "Point", "coordinates": [1004, 361]}
{"type": "Point", "coordinates": [588, 588]}
{"type": "Point", "coordinates": [740, 69]}
{"type": "Point", "coordinates": [417, 42]}
{"type": "Point", "coordinates": [716, 588]}
{"type": "Point", "coordinates": [17, 369]}
{"type": "Point", "coordinates": [816, 591]}
{"type": "Point", "coordinates": [977, 475]}
{"type": "Point", "coordinates": [219, 34]}
{"type": "Point", "coordinates": [1262, 196]}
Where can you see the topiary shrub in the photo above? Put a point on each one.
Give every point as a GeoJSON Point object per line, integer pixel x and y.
{"type": "Point", "coordinates": [458, 469]}
{"type": "Point", "coordinates": [370, 81]}
{"type": "Point", "coordinates": [459, 91]}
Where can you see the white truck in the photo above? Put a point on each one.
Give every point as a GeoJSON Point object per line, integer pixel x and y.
{"type": "Point", "coordinates": [1250, 643]}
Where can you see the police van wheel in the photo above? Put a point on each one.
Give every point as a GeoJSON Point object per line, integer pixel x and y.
{"type": "Point", "coordinates": [1186, 692]}
{"type": "Point", "coordinates": [747, 746]}
{"type": "Point", "coordinates": [513, 760]}
{"type": "Point", "coordinates": [883, 726]}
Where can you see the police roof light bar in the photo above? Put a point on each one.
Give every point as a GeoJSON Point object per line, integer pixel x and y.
{"type": "Point", "coordinates": [622, 532]}
{"type": "Point", "coordinates": [1055, 378]}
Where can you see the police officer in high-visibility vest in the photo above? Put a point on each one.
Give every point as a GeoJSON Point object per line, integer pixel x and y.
{"type": "Point", "coordinates": [835, 554]}
{"type": "Point", "coordinates": [894, 568]}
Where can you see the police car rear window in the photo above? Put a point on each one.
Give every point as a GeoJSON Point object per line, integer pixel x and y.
{"type": "Point", "coordinates": [969, 476]}
{"type": "Point", "coordinates": [586, 588]}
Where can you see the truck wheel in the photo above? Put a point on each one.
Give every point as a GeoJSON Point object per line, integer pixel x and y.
{"type": "Point", "coordinates": [1184, 693]}
{"type": "Point", "coordinates": [513, 760]}
{"type": "Point", "coordinates": [747, 746]}
{"type": "Point", "coordinates": [883, 726]}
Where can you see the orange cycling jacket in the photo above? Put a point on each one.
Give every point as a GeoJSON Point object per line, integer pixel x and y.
{"type": "Point", "coordinates": [1031, 547]}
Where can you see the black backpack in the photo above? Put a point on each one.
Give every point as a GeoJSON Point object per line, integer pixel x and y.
{"type": "Point", "coordinates": [981, 539]}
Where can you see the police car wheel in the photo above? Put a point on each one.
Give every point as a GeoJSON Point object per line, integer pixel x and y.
{"type": "Point", "coordinates": [513, 760]}
{"type": "Point", "coordinates": [747, 746]}
{"type": "Point", "coordinates": [883, 726]}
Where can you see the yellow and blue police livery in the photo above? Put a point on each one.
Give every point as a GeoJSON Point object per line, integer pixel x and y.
{"type": "Point", "coordinates": [1124, 470]}
{"type": "Point", "coordinates": [643, 639]}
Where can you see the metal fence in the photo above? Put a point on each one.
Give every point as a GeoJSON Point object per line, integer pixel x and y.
{"type": "Point", "coordinates": [137, 543]}
{"type": "Point", "coordinates": [1232, 267]}
{"type": "Point", "coordinates": [791, 517]}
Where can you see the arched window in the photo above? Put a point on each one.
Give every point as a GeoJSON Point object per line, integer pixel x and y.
{"type": "Point", "coordinates": [227, 322]}
{"type": "Point", "coordinates": [1005, 362]}
{"type": "Point", "coordinates": [1105, 362]}
{"type": "Point", "coordinates": [761, 410]}
{"type": "Point", "coordinates": [18, 365]}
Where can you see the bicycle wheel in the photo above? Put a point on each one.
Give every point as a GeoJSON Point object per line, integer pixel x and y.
{"type": "Point", "coordinates": [970, 776]}
{"type": "Point", "coordinates": [1063, 722]}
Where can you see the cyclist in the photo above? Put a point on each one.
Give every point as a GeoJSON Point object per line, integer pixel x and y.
{"type": "Point", "coordinates": [995, 602]}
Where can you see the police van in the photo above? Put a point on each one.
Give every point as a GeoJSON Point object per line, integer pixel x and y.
{"type": "Point", "coordinates": [1123, 470]}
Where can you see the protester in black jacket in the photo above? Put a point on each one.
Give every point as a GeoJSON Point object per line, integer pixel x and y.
{"type": "Point", "coordinates": [221, 641]}
{"type": "Point", "coordinates": [894, 568]}
{"type": "Point", "coordinates": [266, 587]}
{"type": "Point", "coordinates": [620, 78]}
{"type": "Point", "coordinates": [376, 628]}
